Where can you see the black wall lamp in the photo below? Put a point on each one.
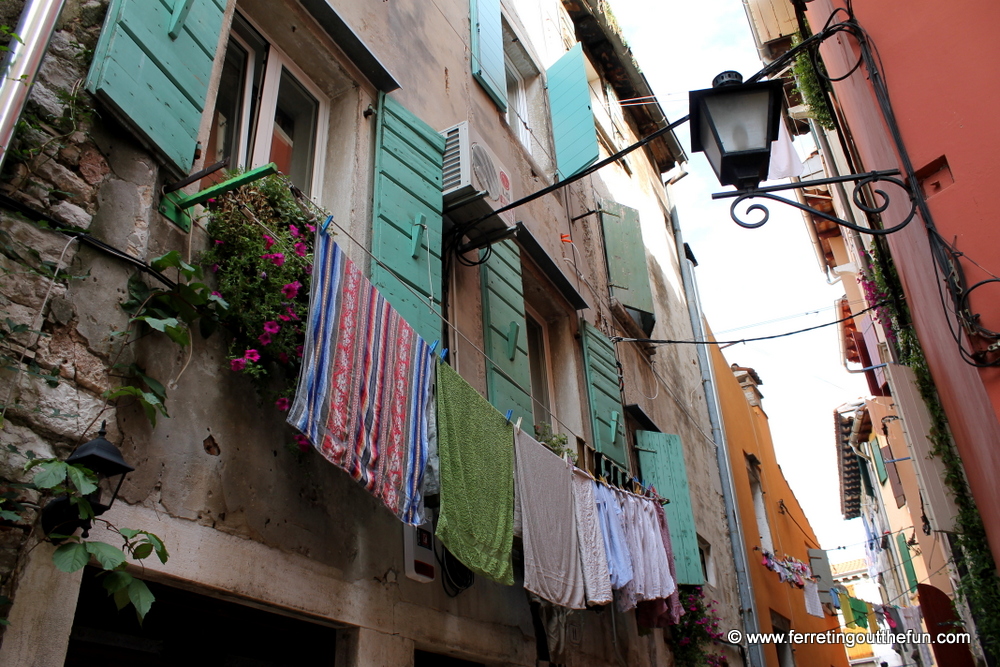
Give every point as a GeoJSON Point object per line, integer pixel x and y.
{"type": "Point", "coordinates": [60, 515]}
{"type": "Point", "coordinates": [734, 124]}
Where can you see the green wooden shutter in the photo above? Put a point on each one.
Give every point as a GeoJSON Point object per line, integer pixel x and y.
{"type": "Point", "coordinates": [626, 256]}
{"type": "Point", "coordinates": [152, 66]}
{"type": "Point", "coordinates": [573, 129]}
{"type": "Point", "coordinates": [606, 413]}
{"type": "Point", "coordinates": [509, 375]}
{"type": "Point", "coordinates": [661, 459]}
{"type": "Point", "coordinates": [907, 560]}
{"type": "Point", "coordinates": [407, 216]}
{"type": "Point", "coordinates": [488, 65]}
{"type": "Point", "coordinates": [879, 462]}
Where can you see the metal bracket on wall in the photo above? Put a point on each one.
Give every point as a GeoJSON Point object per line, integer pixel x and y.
{"type": "Point", "coordinates": [175, 208]}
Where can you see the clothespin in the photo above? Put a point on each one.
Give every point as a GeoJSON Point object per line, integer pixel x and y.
{"type": "Point", "coordinates": [326, 223]}
{"type": "Point", "coordinates": [444, 353]}
{"type": "Point", "coordinates": [510, 413]}
{"type": "Point", "coordinates": [566, 238]}
{"type": "Point", "coordinates": [517, 425]}
{"type": "Point", "coordinates": [434, 346]}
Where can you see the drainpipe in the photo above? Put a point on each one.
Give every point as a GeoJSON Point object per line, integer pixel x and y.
{"type": "Point", "coordinates": [17, 75]}
{"type": "Point", "coordinates": [747, 605]}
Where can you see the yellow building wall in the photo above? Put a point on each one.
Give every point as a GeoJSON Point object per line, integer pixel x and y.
{"type": "Point", "coordinates": [747, 432]}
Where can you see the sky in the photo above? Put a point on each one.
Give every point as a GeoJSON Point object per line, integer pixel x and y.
{"type": "Point", "coordinates": [757, 282]}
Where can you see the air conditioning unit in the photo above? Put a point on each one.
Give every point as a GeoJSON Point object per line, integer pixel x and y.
{"type": "Point", "coordinates": [475, 185]}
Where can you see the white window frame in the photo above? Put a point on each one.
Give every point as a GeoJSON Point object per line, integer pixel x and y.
{"type": "Point", "coordinates": [275, 61]}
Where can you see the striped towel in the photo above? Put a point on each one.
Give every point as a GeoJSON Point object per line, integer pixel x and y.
{"type": "Point", "coordinates": [364, 385]}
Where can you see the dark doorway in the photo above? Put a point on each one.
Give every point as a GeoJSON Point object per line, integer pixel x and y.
{"type": "Point", "coordinates": [189, 630]}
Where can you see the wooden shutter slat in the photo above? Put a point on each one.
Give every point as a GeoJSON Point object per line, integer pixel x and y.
{"type": "Point", "coordinates": [625, 253]}
{"type": "Point", "coordinates": [488, 65]}
{"type": "Point", "coordinates": [907, 561]}
{"type": "Point", "coordinates": [573, 128]}
{"type": "Point", "coordinates": [507, 377]}
{"type": "Point", "coordinates": [661, 459]}
{"type": "Point", "coordinates": [408, 164]}
{"type": "Point", "coordinates": [604, 396]}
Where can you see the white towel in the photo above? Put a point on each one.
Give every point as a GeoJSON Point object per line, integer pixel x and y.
{"type": "Point", "coordinates": [785, 160]}
{"type": "Point", "coordinates": [813, 605]}
{"type": "Point", "coordinates": [544, 486]}
{"type": "Point", "coordinates": [596, 578]}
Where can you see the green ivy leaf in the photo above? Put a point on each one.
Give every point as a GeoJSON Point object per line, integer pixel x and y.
{"type": "Point", "coordinates": [128, 533]}
{"type": "Point", "coordinates": [167, 260]}
{"type": "Point", "coordinates": [108, 556]}
{"type": "Point", "coordinates": [122, 598]}
{"type": "Point", "coordinates": [158, 323]}
{"type": "Point", "coordinates": [52, 473]}
{"type": "Point", "coordinates": [7, 515]}
{"type": "Point", "coordinates": [179, 335]}
{"type": "Point", "coordinates": [154, 385]}
{"type": "Point", "coordinates": [142, 551]}
{"type": "Point", "coordinates": [84, 480]}
{"type": "Point", "coordinates": [140, 596]}
{"type": "Point", "coordinates": [116, 581]}
{"type": "Point", "coordinates": [71, 557]}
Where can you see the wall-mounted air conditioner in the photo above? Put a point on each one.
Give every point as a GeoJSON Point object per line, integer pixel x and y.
{"type": "Point", "coordinates": [475, 185]}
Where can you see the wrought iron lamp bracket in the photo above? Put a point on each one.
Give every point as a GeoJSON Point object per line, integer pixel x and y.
{"type": "Point", "coordinates": [859, 180]}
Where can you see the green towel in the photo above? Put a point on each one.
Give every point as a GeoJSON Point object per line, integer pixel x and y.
{"type": "Point", "coordinates": [476, 450]}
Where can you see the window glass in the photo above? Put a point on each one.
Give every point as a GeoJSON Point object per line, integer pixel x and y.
{"type": "Point", "coordinates": [539, 371]}
{"type": "Point", "coordinates": [263, 113]}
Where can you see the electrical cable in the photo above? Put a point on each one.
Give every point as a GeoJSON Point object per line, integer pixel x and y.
{"type": "Point", "coordinates": [654, 341]}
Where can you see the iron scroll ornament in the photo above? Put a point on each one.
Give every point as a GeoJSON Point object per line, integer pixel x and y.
{"type": "Point", "coordinates": [860, 180]}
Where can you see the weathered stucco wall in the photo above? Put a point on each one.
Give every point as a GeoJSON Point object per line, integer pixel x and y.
{"type": "Point", "coordinates": [241, 513]}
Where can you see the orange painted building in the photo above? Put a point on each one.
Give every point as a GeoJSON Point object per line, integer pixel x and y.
{"type": "Point", "coordinates": [772, 521]}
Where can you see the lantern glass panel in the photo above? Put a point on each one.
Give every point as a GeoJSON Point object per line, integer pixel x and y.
{"type": "Point", "coordinates": [740, 119]}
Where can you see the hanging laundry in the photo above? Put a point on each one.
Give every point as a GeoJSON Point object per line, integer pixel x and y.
{"type": "Point", "coordinates": [859, 609]}
{"type": "Point", "coordinates": [609, 514]}
{"type": "Point", "coordinates": [813, 604]}
{"type": "Point", "coordinates": [911, 617]}
{"type": "Point", "coordinates": [662, 612]}
{"type": "Point", "coordinates": [636, 589]}
{"type": "Point", "coordinates": [845, 609]}
{"type": "Point", "coordinates": [596, 578]}
{"type": "Point", "coordinates": [476, 450]}
{"type": "Point", "coordinates": [544, 491]}
{"type": "Point", "coordinates": [365, 384]}
{"type": "Point", "coordinates": [872, 618]}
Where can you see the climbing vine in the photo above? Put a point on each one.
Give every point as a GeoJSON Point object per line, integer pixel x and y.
{"type": "Point", "coordinates": [979, 587]}
{"type": "Point", "coordinates": [697, 631]}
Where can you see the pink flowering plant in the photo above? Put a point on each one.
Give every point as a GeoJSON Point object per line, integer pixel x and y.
{"type": "Point", "coordinates": [697, 632]}
{"type": "Point", "coordinates": [261, 252]}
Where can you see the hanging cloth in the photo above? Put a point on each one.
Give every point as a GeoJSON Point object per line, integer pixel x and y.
{"type": "Point", "coordinates": [609, 515]}
{"type": "Point", "coordinates": [364, 386]}
{"type": "Point", "coordinates": [813, 604]}
{"type": "Point", "coordinates": [544, 488]}
{"type": "Point", "coordinates": [476, 451]}
{"type": "Point", "coordinates": [845, 609]}
{"type": "Point", "coordinates": [596, 578]}
{"type": "Point", "coordinates": [859, 609]}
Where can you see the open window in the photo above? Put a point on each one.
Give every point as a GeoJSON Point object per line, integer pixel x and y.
{"type": "Point", "coordinates": [759, 504]}
{"type": "Point", "coordinates": [267, 110]}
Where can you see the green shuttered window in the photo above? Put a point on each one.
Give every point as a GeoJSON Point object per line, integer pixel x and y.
{"type": "Point", "coordinates": [661, 458]}
{"type": "Point", "coordinates": [606, 413]}
{"type": "Point", "coordinates": [488, 66]}
{"type": "Point", "coordinates": [152, 66]}
{"type": "Point", "coordinates": [573, 129]}
{"type": "Point", "coordinates": [626, 256]}
{"type": "Point", "coordinates": [907, 560]}
{"type": "Point", "coordinates": [879, 462]}
{"type": "Point", "coordinates": [407, 216]}
{"type": "Point", "coordinates": [505, 332]}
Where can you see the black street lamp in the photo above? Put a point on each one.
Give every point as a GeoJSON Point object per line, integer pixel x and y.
{"type": "Point", "coordinates": [734, 124]}
{"type": "Point", "coordinates": [105, 461]}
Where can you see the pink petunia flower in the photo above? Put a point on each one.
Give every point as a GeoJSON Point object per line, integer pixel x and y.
{"type": "Point", "coordinates": [219, 241]}
{"type": "Point", "coordinates": [264, 338]}
{"type": "Point", "coordinates": [217, 293]}
{"type": "Point", "coordinates": [268, 242]}
{"type": "Point", "coordinates": [291, 290]}
{"type": "Point", "coordinates": [291, 313]}
{"type": "Point", "coordinates": [310, 227]}
{"type": "Point", "coordinates": [303, 442]}
{"type": "Point", "coordinates": [283, 404]}
{"type": "Point", "coordinates": [309, 269]}
{"type": "Point", "coordinates": [283, 358]}
{"type": "Point", "coordinates": [237, 365]}
{"type": "Point", "coordinates": [298, 350]}
{"type": "Point", "coordinates": [301, 249]}
{"type": "Point", "coordinates": [251, 355]}
{"type": "Point", "coordinates": [272, 327]}
{"type": "Point", "coordinates": [284, 318]}
{"type": "Point", "coordinates": [294, 231]}
{"type": "Point", "coordinates": [277, 258]}
{"type": "Point", "coordinates": [215, 268]}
